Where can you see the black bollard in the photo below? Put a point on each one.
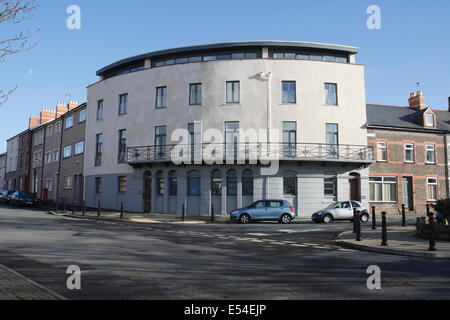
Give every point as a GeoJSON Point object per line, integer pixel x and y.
{"type": "Point", "coordinates": [358, 226]}
{"type": "Point", "coordinates": [73, 207]}
{"type": "Point", "coordinates": [212, 213]}
{"type": "Point", "coordinates": [84, 208]}
{"type": "Point", "coordinates": [56, 206]}
{"type": "Point", "coordinates": [354, 220]}
{"type": "Point", "coordinates": [183, 211]}
{"type": "Point", "coordinates": [121, 210]}
{"type": "Point", "coordinates": [374, 218]}
{"type": "Point", "coordinates": [384, 242]}
{"type": "Point", "coordinates": [432, 237]}
{"type": "Point", "coordinates": [403, 215]}
{"type": "Point", "coordinates": [64, 205]}
{"type": "Point", "coordinates": [99, 208]}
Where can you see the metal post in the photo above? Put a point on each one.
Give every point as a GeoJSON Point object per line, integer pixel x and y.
{"type": "Point", "coordinates": [358, 226]}
{"type": "Point", "coordinates": [56, 206]}
{"type": "Point", "coordinates": [99, 208]}
{"type": "Point", "coordinates": [212, 213]}
{"type": "Point", "coordinates": [84, 208]}
{"type": "Point", "coordinates": [432, 237]}
{"type": "Point", "coordinates": [64, 205]}
{"type": "Point", "coordinates": [354, 220]}
{"type": "Point", "coordinates": [121, 210]}
{"type": "Point", "coordinates": [374, 218]}
{"type": "Point", "coordinates": [384, 242]}
{"type": "Point", "coordinates": [183, 211]}
{"type": "Point", "coordinates": [73, 207]}
{"type": "Point", "coordinates": [403, 215]}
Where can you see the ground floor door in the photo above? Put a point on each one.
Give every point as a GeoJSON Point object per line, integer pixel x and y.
{"type": "Point", "coordinates": [355, 194]}
{"type": "Point", "coordinates": [148, 195]}
{"type": "Point", "coordinates": [407, 193]}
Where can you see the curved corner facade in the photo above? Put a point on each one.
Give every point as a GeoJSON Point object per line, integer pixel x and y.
{"type": "Point", "coordinates": [311, 96]}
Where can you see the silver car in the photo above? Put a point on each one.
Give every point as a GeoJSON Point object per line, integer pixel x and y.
{"type": "Point", "coordinates": [342, 210]}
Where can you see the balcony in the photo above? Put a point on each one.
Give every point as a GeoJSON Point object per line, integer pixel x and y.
{"type": "Point", "coordinates": [250, 153]}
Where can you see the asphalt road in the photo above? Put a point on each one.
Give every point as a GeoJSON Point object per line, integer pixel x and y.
{"type": "Point", "coordinates": [195, 262]}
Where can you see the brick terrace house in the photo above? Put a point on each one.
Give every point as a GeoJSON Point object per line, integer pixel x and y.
{"type": "Point", "coordinates": [410, 145]}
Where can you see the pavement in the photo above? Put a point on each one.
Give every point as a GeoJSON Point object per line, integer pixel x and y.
{"type": "Point", "coordinates": [401, 241]}
{"type": "Point", "coordinates": [14, 286]}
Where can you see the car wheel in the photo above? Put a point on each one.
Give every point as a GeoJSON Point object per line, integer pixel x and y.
{"type": "Point", "coordinates": [245, 218]}
{"type": "Point", "coordinates": [365, 218]}
{"type": "Point", "coordinates": [286, 219]}
{"type": "Point", "coordinates": [328, 219]}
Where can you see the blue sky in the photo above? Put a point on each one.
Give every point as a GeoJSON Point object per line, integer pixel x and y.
{"type": "Point", "coordinates": [412, 46]}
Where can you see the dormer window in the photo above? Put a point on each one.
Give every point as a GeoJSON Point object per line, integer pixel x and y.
{"type": "Point", "coordinates": [429, 120]}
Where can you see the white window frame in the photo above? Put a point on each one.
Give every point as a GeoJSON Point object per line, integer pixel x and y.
{"type": "Point", "coordinates": [76, 152]}
{"type": "Point", "coordinates": [66, 121]}
{"type": "Point", "coordinates": [430, 148]}
{"type": "Point", "coordinates": [410, 147]}
{"type": "Point", "coordinates": [69, 147]}
{"type": "Point", "coordinates": [427, 123]}
{"type": "Point", "coordinates": [381, 148]}
{"type": "Point", "coordinates": [82, 116]}
{"type": "Point", "coordinates": [384, 182]}
{"type": "Point", "coordinates": [435, 185]}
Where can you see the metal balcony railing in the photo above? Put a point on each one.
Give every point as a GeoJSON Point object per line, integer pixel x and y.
{"type": "Point", "coordinates": [250, 152]}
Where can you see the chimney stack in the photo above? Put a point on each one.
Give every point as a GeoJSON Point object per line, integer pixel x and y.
{"type": "Point", "coordinates": [61, 109]}
{"type": "Point", "coordinates": [34, 122]}
{"type": "Point", "coordinates": [417, 101]}
{"type": "Point", "coordinates": [72, 105]}
{"type": "Point", "coordinates": [47, 115]}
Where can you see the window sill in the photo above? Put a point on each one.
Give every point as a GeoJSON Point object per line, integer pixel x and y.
{"type": "Point", "coordinates": [289, 104]}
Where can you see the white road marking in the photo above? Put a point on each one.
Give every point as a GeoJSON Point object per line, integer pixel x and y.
{"type": "Point", "coordinates": [258, 234]}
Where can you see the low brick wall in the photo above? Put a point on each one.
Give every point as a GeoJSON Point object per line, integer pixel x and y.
{"type": "Point", "coordinates": [441, 230]}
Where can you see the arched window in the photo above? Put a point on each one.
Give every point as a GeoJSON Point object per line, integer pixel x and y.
{"type": "Point", "coordinates": [232, 183]}
{"type": "Point", "coordinates": [216, 183]}
{"type": "Point", "coordinates": [194, 183]}
{"type": "Point", "coordinates": [173, 183]}
{"type": "Point", "coordinates": [247, 183]}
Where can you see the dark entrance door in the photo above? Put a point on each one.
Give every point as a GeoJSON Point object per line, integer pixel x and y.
{"type": "Point", "coordinates": [354, 190]}
{"type": "Point", "coordinates": [148, 195]}
{"type": "Point", "coordinates": [407, 193]}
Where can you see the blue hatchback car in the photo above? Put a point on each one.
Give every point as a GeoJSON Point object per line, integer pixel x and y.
{"type": "Point", "coordinates": [266, 210]}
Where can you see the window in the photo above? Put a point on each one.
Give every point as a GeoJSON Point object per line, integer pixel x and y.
{"type": "Point", "coordinates": [49, 185]}
{"type": "Point", "coordinates": [330, 187]}
{"type": "Point", "coordinates": [160, 186]}
{"type": "Point", "coordinates": [290, 139]}
{"type": "Point", "coordinates": [122, 146]}
{"type": "Point", "coordinates": [98, 185]}
{"type": "Point", "coordinates": [432, 189]}
{"type": "Point", "coordinates": [289, 92]}
{"type": "Point", "coordinates": [383, 189]}
{"type": "Point", "coordinates": [195, 94]}
{"type": "Point", "coordinates": [67, 152]}
{"type": "Point", "coordinates": [382, 151]}
{"type": "Point", "coordinates": [56, 153]}
{"type": "Point", "coordinates": [173, 184]}
{"type": "Point", "coordinates": [233, 92]}
{"type": "Point", "coordinates": [123, 104]}
{"type": "Point", "coordinates": [332, 136]}
{"type": "Point", "coordinates": [68, 181]}
{"type": "Point", "coordinates": [160, 142]}
{"type": "Point", "coordinates": [161, 97]}
{"type": "Point", "coordinates": [98, 150]}
{"type": "Point", "coordinates": [232, 130]}
{"type": "Point", "coordinates": [82, 117]}
{"type": "Point", "coordinates": [194, 184]}
{"type": "Point", "coordinates": [100, 110]}
{"type": "Point", "coordinates": [49, 131]}
{"type": "Point", "coordinates": [429, 120]}
{"type": "Point", "coordinates": [247, 183]}
{"type": "Point", "coordinates": [79, 148]}
{"type": "Point", "coordinates": [122, 184]}
{"type": "Point", "coordinates": [69, 123]}
{"type": "Point", "coordinates": [216, 183]}
{"type": "Point", "coordinates": [331, 94]}
{"type": "Point", "coordinates": [431, 154]}
{"type": "Point", "coordinates": [58, 127]}
{"type": "Point", "coordinates": [290, 186]}
{"type": "Point", "coordinates": [409, 153]}
{"type": "Point", "coordinates": [49, 157]}
{"type": "Point", "coordinates": [231, 183]}
{"type": "Point", "coordinates": [195, 136]}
